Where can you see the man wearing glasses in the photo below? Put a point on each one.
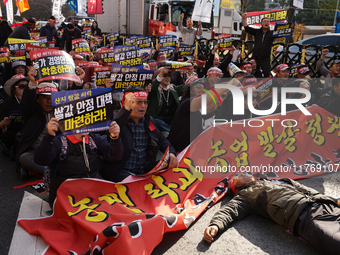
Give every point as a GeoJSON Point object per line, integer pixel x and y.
{"type": "Point", "coordinates": [70, 33]}
{"type": "Point", "coordinates": [50, 31]}
{"type": "Point", "coordinates": [141, 139]}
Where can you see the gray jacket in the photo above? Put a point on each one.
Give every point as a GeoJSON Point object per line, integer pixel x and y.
{"type": "Point", "coordinates": [282, 203]}
{"type": "Point", "coordinates": [326, 73]}
{"type": "Point", "coordinates": [188, 35]}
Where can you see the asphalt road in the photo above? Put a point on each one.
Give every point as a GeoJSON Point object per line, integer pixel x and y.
{"type": "Point", "coordinates": [253, 235]}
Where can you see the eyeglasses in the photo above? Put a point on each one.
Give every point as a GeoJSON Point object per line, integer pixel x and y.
{"type": "Point", "coordinates": [21, 86]}
{"type": "Point", "coordinates": [140, 102]}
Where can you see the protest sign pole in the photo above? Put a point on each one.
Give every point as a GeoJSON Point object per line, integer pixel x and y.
{"type": "Point", "coordinates": [196, 50]}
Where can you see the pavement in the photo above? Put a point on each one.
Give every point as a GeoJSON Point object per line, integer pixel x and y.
{"type": "Point", "coordinates": [252, 235]}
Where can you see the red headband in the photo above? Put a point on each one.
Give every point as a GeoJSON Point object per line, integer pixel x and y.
{"type": "Point", "coordinates": [265, 19]}
{"type": "Point", "coordinates": [281, 67]}
{"type": "Point", "coordinates": [53, 20]}
{"type": "Point", "coordinates": [18, 76]}
{"type": "Point", "coordinates": [136, 93]}
{"type": "Point", "coordinates": [252, 60]}
{"type": "Point", "coordinates": [31, 23]}
{"type": "Point", "coordinates": [245, 66]}
{"type": "Point", "coordinates": [214, 72]}
{"type": "Point", "coordinates": [201, 61]}
{"type": "Point", "coordinates": [303, 69]}
{"type": "Point", "coordinates": [153, 63]}
{"type": "Point", "coordinates": [47, 89]}
{"type": "Point", "coordinates": [191, 79]}
{"type": "Point", "coordinates": [162, 55]}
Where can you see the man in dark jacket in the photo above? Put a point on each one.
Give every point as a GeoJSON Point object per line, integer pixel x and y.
{"type": "Point", "coordinates": [36, 109]}
{"type": "Point", "coordinates": [263, 43]}
{"type": "Point", "coordinates": [5, 31]}
{"type": "Point", "coordinates": [303, 210]}
{"type": "Point", "coordinates": [141, 139]}
{"type": "Point", "coordinates": [82, 150]}
{"type": "Point", "coordinates": [70, 33]}
{"type": "Point", "coordinates": [50, 31]}
{"type": "Point", "coordinates": [330, 101]}
{"type": "Point", "coordinates": [23, 31]}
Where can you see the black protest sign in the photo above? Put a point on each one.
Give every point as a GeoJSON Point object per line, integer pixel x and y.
{"type": "Point", "coordinates": [186, 50]}
{"type": "Point", "coordinates": [86, 29]}
{"type": "Point", "coordinates": [83, 111]}
{"type": "Point", "coordinates": [112, 37]}
{"type": "Point", "coordinates": [81, 46]}
{"type": "Point", "coordinates": [125, 76]}
{"type": "Point", "coordinates": [17, 47]}
{"type": "Point", "coordinates": [53, 65]}
{"type": "Point", "coordinates": [282, 30]}
{"type": "Point", "coordinates": [224, 42]}
{"type": "Point", "coordinates": [131, 40]}
{"type": "Point", "coordinates": [168, 51]}
{"type": "Point", "coordinates": [107, 56]}
{"type": "Point", "coordinates": [43, 42]}
{"type": "Point", "coordinates": [168, 40]}
{"type": "Point", "coordinates": [143, 42]}
{"type": "Point", "coordinates": [101, 74]}
{"type": "Point", "coordinates": [127, 55]}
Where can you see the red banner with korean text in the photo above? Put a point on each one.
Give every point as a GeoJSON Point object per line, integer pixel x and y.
{"type": "Point", "coordinates": [254, 18]}
{"type": "Point", "coordinates": [132, 217]}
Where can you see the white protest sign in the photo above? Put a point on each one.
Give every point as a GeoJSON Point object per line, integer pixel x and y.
{"type": "Point", "coordinates": [235, 55]}
{"type": "Point", "coordinates": [298, 3]}
{"type": "Point", "coordinates": [202, 11]}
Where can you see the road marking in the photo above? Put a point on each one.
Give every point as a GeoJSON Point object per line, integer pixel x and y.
{"type": "Point", "coordinates": [22, 242]}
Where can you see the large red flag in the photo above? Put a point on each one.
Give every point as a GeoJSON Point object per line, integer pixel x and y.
{"type": "Point", "coordinates": [94, 7]}
{"type": "Point", "coordinates": [100, 217]}
{"type": "Point", "coordinates": [22, 5]}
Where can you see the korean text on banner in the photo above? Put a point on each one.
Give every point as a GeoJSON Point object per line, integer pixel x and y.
{"type": "Point", "coordinates": [132, 217]}
{"type": "Point", "coordinates": [81, 46]}
{"type": "Point", "coordinates": [82, 111]}
{"type": "Point", "coordinates": [53, 65]}
{"type": "Point", "coordinates": [224, 42]}
{"type": "Point", "coordinates": [125, 76]}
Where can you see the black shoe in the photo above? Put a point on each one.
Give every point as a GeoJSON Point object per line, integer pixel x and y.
{"type": "Point", "coordinates": [24, 174]}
